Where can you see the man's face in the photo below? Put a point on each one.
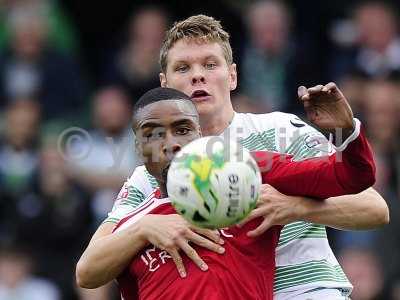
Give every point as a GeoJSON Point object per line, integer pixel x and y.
{"type": "Point", "coordinates": [199, 69]}
{"type": "Point", "coordinates": [162, 129]}
{"type": "Point", "coordinates": [111, 110]}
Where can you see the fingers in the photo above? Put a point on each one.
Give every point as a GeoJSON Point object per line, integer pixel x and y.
{"type": "Point", "coordinates": [212, 235]}
{"type": "Point", "coordinates": [316, 89]}
{"type": "Point", "coordinates": [205, 243]}
{"type": "Point", "coordinates": [192, 254]}
{"type": "Point", "coordinates": [330, 87]}
{"type": "Point", "coordinates": [264, 226]}
{"type": "Point", "coordinates": [255, 213]}
{"type": "Point", "coordinates": [304, 93]}
{"type": "Point", "coordinates": [178, 262]}
{"type": "Point", "coordinates": [301, 91]}
{"type": "Point", "coordinates": [267, 188]}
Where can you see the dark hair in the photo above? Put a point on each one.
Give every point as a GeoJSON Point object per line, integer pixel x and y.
{"type": "Point", "coordinates": [159, 94]}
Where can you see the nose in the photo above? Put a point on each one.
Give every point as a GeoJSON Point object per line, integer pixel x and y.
{"type": "Point", "coordinates": [198, 76]}
{"type": "Point", "coordinates": [171, 147]}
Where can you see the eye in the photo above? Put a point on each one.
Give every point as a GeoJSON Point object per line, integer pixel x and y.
{"type": "Point", "coordinates": [211, 65]}
{"type": "Point", "coordinates": [153, 135]}
{"type": "Point", "coordinates": [182, 68]}
{"type": "Point", "coordinates": [182, 130]}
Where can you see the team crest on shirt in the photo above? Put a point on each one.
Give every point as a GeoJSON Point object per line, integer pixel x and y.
{"type": "Point", "coordinates": [124, 192]}
{"type": "Point", "coordinates": [317, 141]}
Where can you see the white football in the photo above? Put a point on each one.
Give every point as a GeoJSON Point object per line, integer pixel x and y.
{"type": "Point", "coordinates": [213, 183]}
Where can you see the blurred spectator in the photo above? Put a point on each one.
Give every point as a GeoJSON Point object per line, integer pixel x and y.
{"type": "Point", "coordinates": [354, 89]}
{"type": "Point", "coordinates": [31, 67]}
{"type": "Point", "coordinates": [273, 64]}
{"type": "Point", "coordinates": [61, 32]}
{"type": "Point", "coordinates": [18, 146]}
{"type": "Point", "coordinates": [382, 110]}
{"type": "Point", "coordinates": [52, 219]}
{"type": "Point", "coordinates": [17, 280]}
{"type": "Point", "coordinates": [376, 50]}
{"type": "Point", "coordinates": [111, 153]}
{"type": "Point", "coordinates": [380, 107]}
{"type": "Point", "coordinates": [135, 66]}
{"type": "Point", "coordinates": [364, 270]}
{"type": "Point", "coordinates": [18, 158]}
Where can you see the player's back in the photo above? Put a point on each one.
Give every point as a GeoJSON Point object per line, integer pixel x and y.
{"type": "Point", "coordinates": [244, 271]}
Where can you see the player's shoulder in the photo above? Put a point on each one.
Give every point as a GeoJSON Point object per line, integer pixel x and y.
{"type": "Point", "coordinates": [138, 173]}
{"type": "Point", "coordinates": [277, 120]}
{"type": "Point", "coordinates": [151, 202]}
{"type": "Point", "coordinates": [142, 179]}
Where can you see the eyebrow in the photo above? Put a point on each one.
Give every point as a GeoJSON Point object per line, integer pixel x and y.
{"type": "Point", "coordinates": [185, 59]}
{"type": "Point", "coordinates": [176, 123]}
{"type": "Point", "coordinates": [183, 121]}
{"type": "Point", "coordinates": [150, 125]}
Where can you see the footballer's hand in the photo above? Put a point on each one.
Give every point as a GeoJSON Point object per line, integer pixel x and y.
{"type": "Point", "coordinates": [275, 208]}
{"type": "Point", "coordinates": [327, 108]}
{"type": "Point", "coordinates": [173, 234]}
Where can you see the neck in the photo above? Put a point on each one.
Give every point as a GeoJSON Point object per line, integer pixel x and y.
{"type": "Point", "coordinates": [163, 191]}
{"type": "Point", "coordinates": [217, 123]}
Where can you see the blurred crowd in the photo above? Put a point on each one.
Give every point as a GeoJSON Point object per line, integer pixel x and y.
{"type": "Point", "coordinates": [66, 146]}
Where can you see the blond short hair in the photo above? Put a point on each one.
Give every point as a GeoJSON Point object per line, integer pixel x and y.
{"type": "Point", "coordinates": [200, 28]}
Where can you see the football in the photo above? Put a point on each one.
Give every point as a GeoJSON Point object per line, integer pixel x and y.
{"type": "Point", "coordinates": [213, 183]}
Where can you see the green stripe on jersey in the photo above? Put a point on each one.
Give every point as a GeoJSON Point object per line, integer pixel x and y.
{"type": "Point", "coordinates": [135, 197]}
{"type": "Point", "coordinates": [299, 230]}
{"type": "Point", "coordinates": [300, 150]}
{"type": "Point", "coordinates": [306, 273]}
{"type": "Point", "coordinates": [260, 141]}
{"type": "Point", "coordinates": [151, 179]}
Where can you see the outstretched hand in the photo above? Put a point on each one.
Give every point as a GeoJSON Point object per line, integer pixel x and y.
{"type": "Point", "coordinates": [327, 108]}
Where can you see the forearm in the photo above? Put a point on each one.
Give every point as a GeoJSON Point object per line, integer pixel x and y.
{"type": "Point", "coordinates": [366, 210]}
{"type": "Point", "coordinates": [108, 254]}
{"type": "Point", "coordinates": [347, 172]}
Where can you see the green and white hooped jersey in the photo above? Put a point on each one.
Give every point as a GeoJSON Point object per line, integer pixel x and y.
{"type": "Point", "coordinates": [304, 258]}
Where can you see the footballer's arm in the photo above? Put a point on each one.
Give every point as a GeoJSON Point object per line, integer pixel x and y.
{"type": "Point", "coordinates": [109, 253]}
{"type": "Point", "coordinates": [327, 108]}
{"type": "Point", "coordinates": [363, 211]}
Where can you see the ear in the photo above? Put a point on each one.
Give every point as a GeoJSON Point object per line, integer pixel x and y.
{"type": "Point", "coordinates": [163, 80]}
{"type": "Point", "coordinates": [232, 77]}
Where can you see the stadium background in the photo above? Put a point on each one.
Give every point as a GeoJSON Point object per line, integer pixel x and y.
{"type": "Point", "coordinates": [71, 70]}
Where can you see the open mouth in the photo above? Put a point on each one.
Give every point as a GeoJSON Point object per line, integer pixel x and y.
{"type": "Point", "coordinates": [200, 95]}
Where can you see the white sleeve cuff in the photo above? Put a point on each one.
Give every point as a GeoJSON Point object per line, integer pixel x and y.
{"type": "Point", "coordinates": [352, 137]}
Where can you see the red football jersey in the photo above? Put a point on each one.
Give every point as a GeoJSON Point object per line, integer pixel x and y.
{"type": "Point", "coordinates": [246, 269]}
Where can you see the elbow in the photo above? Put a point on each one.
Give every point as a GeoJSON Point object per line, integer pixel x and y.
{"type": "Point", "coordinates": [82, 276]}
{"type": "Point", "coordinates": [380, 215]}
{"type": "Point", "coordinates": [383, 217]}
